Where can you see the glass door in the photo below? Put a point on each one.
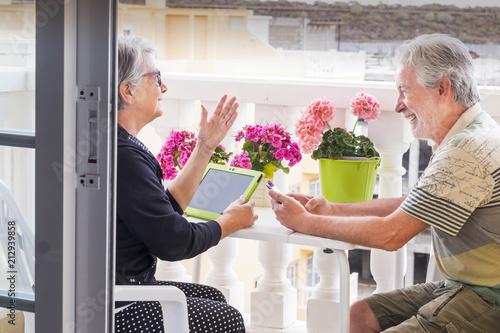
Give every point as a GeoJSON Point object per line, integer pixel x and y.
{"type": "Point", "coordinates": [56, 165]}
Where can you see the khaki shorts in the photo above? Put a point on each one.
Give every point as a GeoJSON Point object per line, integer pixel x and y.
{"type": "Point", "coordinates": [432, 307]}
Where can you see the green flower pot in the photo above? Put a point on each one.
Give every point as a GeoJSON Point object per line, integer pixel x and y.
{"type": "Point", "coordinates": [348, 180]}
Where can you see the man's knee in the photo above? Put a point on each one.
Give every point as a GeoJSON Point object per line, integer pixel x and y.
{"type": "Point", "coordinates": [362, 318]}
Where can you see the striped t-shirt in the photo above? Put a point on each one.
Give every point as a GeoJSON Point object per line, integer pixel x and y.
{"type": "Point", "coordinates": [459, 196]}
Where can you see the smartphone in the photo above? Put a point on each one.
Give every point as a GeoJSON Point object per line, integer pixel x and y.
{"type": "Point", "coordinates": [270, 185]}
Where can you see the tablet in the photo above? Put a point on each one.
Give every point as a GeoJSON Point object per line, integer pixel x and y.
{"type": "Point", "coordinates": [221, 185]}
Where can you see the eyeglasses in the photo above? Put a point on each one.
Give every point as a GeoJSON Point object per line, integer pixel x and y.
{"type": "Point", "coordinates": [158, 76]}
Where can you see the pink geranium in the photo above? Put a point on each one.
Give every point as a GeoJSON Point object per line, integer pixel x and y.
{"type": "Point", "coordinates": [242, 161]}
{"type": "Point", "coordinates": [365, 106]}
{"type": "Point", "coordinates": [313, 121]}
{"type": "Point", "coordinates": [177, 149]}
{"type": "Point", "coordinates": [315, 135]}
{"type": "Point", "coordinates": [265, 148]}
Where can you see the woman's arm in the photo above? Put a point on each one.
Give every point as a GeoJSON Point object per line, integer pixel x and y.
{"type": "Point", "coordinates": [148, 219]}
{"type": "Point", "coordinates": [210, 134]}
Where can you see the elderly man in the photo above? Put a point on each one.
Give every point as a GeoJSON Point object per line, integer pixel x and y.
{"type": "Point", "coordinates": [458, 196]}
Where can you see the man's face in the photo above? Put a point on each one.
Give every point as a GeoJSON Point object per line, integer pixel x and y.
{"type": "Point", "coordinates": [417, 104]}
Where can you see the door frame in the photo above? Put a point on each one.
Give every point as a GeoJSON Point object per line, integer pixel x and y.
{"type": "Point", "coordinates": [74, 233]}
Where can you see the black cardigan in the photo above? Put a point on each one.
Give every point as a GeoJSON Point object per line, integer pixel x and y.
{"type": "Point", "coordinates": [149, 222]}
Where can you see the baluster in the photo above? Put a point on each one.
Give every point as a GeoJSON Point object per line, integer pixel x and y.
{"type": "Point", "coordinates": [221, 274]}
{"type": "Point", "coordinates": [388, 268]}
{"type": "Point", "coordinates": [323, 305]}
{"type": "Point", "coordinates": [274, 301]}
{"type": "Point", "coordinates": [171, 271]}
{"type": "Point", "coordinates": [391, 135]}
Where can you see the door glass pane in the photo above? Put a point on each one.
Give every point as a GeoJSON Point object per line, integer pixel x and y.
{"type": "Point", "coordinates": [17, 65]}
{"type": "Point", "coordinates": [17, 173]}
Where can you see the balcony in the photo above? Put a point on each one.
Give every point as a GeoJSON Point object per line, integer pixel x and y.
{"type": "Point", "coordinates": [270, 305]}
{"type": "Point", "coordinates": [263, 100]}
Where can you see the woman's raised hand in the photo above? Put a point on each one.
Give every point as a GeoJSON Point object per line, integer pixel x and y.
{"type": "Point", "coordinates": [212, 130]}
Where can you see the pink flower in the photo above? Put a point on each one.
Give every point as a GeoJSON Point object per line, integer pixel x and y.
{"type": "Point", "coordinates": [182, 160]}
{"type": "Point", "coordinates": [365, 106]}
{"type": "Point", "coordinates": [176, 151]}
{"type": "Point", "coordinates": [314, 120]}
{"type": "Point", "coordinates": [170, 174]}
{"type": "Point", "coordinates": [276, 141]}
{"type": "Point", "coordinates": [280, 154]}
{"type": "Point", "coordinates": [322, 110]}
{"type": "Point", "coordinates": [264, 144]}
{"type": "Point", "coordinates": [241, 161]}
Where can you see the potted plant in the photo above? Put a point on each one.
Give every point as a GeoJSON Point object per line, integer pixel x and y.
{"type": "Point", "coordinates": [177, 149]}
{"type": "Point", "coordinates": [266, 148]}
{"type": "Point", "coordinates": [347, 162]}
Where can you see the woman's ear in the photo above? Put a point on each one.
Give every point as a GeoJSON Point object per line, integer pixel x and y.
{"type": "Point", "coordinates": [127, 92]}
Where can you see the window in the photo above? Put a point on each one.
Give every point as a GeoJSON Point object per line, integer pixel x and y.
{"type": "Point", "coordinates": [315, 187]}
{"type": "Point", "coordinates": [312, 274]}
{"type": "Point", "coordinates": [292, 274]}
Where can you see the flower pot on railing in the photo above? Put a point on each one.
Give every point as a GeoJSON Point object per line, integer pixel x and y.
{"type": "Point", "coordinates": [349, 179]}
{"type": "Point", "coordinates": [268, 149]}
{"type": "Point", "coordinates": [347, 161]}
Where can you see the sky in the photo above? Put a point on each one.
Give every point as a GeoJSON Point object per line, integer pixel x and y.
{"type": "Point", "coordinates": [458, 3]}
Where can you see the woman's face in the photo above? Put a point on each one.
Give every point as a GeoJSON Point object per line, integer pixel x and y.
{"type": "Point", "coordinates": [148, 96]}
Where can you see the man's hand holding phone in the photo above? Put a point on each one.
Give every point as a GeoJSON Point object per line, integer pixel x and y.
{"type": "Point", "coordinates": [270, 185]}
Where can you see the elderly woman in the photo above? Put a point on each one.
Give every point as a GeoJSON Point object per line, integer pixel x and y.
{"type": "Point", "coordinates": [149, 222]}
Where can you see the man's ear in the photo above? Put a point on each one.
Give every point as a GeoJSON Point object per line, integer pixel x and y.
{"type": "Point", "coordinates": [444, 87]}
{"type": "Point", "coordinates": [127, 92]}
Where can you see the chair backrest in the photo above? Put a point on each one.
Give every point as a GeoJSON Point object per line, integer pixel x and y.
{"type": "Point", "coordinates": [17, 253]}
{"type": "Point", "coordinates": [172, 300]}
{"type": "Point", "coordinates": [17, 241]}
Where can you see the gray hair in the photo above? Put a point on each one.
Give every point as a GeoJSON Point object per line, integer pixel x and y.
{"type": "Point", "coordinates": [436, 56]}
{"type": "Point", "coordinates": [131, 55]}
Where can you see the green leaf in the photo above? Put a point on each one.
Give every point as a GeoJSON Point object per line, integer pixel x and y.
{"type": "Point", "coordinates": [337, 143]}
{"type": "Point", "coordinates": [269, 170]}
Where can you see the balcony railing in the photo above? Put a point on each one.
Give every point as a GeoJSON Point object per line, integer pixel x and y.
{"type": "Point", "coordinates": [275, 100]}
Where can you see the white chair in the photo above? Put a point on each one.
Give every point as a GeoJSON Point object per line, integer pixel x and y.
{"type": "Point", "coordinates": [14, 230]}
{"type": "Point", "coordinates": [172, 300]}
